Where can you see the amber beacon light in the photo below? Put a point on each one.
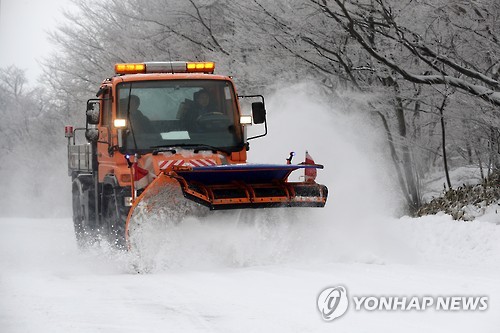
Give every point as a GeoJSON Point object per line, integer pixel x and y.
{"type": "Point", "coordinates": [165, 67]}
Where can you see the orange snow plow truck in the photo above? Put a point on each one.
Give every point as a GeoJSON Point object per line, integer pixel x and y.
{"type": "Point", "coordinates": [168, 139]}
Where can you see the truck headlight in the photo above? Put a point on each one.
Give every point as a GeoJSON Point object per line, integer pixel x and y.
{"type": "Point", "coordinates": [246, 120]}
{"type": "Point", "coordinates": [120, 123]}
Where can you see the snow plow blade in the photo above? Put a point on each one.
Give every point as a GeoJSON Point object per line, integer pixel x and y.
{"type": "Point", "coordinates": [249, 186]}
{"type": "Point", "coordinates": [187, 191]}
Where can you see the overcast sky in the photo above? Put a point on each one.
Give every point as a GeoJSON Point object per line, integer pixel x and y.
{"type": "Point", "coordinates": [23, 27]}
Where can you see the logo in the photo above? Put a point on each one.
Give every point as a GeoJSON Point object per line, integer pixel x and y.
{"type": "Point", "coordinates": [333, 302]}
{"type": "Point", "coordinates": [416, 303]}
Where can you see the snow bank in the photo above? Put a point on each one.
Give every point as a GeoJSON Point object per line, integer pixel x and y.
{"type": "Point", "coordinates": [435, 184]}
{"type": "Point", "coordinates": [246, 277]}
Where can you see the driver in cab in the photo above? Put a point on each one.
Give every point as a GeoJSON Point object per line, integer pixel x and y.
{"type": "Point", "coordinates": [202, 103]}
{"type": "Point", "coordinates": [192, 112]}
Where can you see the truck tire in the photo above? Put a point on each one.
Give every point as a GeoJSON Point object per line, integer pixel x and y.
{"type": "Point", "coordinates": [114, 216]}
{"type": "Point", "coordinates": [83, 211]}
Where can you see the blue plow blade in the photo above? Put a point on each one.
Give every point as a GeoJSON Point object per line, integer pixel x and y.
{"type": "Point", "coordinates": [250, 186]}
{"type": "Point", "coordinates": [246, 173]}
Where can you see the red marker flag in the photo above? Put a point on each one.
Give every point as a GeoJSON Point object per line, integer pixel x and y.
{"type": "Point", "coordinates": [310, 173]}
{"type": "Point", "coordinates": [140, 177]}
{"type": "Point", "coordinates": [143, 176]}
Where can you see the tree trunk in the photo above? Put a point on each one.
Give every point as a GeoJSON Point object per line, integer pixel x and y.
{"type": "Point", "coordinates": [408, 165]}
{"type": "Point", "coordinates": [395, 160]}
{"type": "Point", "coordinates": [443, 143]}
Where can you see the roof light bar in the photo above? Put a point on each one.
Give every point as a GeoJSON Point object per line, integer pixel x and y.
{"type": "Point", "coordinates": [204, 67]}
{"type": "Point", "coordinates": [130, 68]}
{"type": "Point", "coordinates": [165, 67]}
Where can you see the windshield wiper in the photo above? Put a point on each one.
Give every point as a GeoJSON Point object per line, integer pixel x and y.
{"type": "Point", "coordinates": [196, 148]}
{"type": "Point", "coordinates": [162, 149]}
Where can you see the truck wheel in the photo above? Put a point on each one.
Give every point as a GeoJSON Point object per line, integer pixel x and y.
{"type": "Point", "coordinates": [84, 231]}
{"type": "Point", "coordinates": [78, 220]}
{"type": "Point", "coordinates": [114, 217]}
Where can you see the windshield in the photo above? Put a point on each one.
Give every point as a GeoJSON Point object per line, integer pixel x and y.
{"type": "Point", "coordinates": [179, 113]}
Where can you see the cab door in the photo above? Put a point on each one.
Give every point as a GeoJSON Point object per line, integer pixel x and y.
{"type": "Point", "coordinates": [105, 151]}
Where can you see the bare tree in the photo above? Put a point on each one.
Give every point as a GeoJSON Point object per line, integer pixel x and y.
{"type": "Point", "coordinates": [407, 54]}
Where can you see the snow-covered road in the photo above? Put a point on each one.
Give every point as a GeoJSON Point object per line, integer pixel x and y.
{"type": "Point", "coordinates": [262, 271]}
{"type": "Point", "coordinates": [265, 284]}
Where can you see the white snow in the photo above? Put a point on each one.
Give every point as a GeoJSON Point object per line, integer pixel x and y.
{"type": "Point", "coordinates": [262, 271]}
{"type": "Point", "coordinates": [248, 278]}
{"type": "Point", "coordinates": [435, 184]}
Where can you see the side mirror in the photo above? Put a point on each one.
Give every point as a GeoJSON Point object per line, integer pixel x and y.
{"type": "Point", "coordinates": [258, 112]}
{"type": "Point", "coordinates": [92, 135]}
{"type": "Point", "coordinates": [93, 113]}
